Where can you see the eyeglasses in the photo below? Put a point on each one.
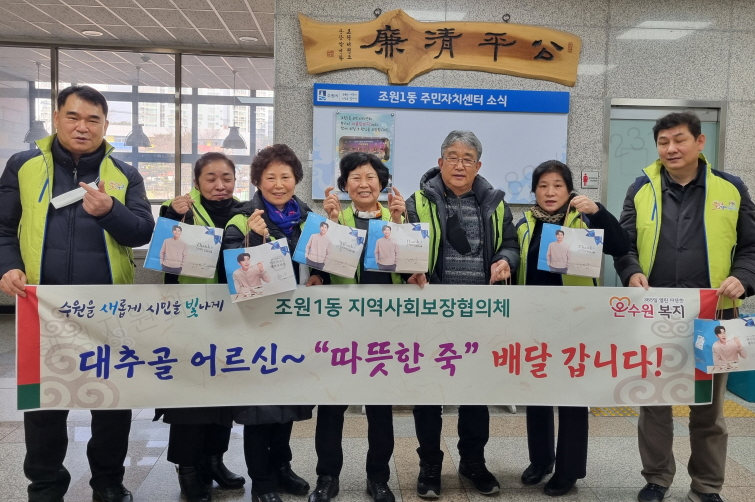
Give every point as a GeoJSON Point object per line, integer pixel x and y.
{"type": "Point", "coordinates": [454, 161]}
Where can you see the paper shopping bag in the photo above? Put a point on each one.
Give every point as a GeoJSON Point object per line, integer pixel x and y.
{"type": "Point", "coordinates": [571, 251]}
{"type": "Point", "coordinates": [183, 249]}
{"type": "Point", "coordinates": [329, 246]}
{"type": "Point", "coordinates": [724, 346]}
{"type": "Point", "coordinates": [394, 247]}
{"type": "Point", "coordinates": [257, 271]}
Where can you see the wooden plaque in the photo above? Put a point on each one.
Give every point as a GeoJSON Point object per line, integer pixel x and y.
{"type": "Point", "coordinates": [404, 48]}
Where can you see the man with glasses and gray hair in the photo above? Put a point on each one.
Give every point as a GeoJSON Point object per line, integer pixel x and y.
{"type": "Point", "coordinates": [473, 241]}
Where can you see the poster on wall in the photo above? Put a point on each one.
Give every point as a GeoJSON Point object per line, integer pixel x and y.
{"type": "Point", "coordinates": [518, 130]}
{"type": "Point", "coordinates": [357, 131]}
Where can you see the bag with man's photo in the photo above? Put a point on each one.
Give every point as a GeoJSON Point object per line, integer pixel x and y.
{"type": "Point", "coordinates": [397, 247]}
{"type": "Point", "coordinates": [182, 249]}
{"type": "Point", "coordinates": [571, 251]}
{"type": "Point", "coordinates": [329, 246]}
{"type": "Point", "coordinates": [257, 271]}
{"type": "Point", "coordinates": [724, 346]}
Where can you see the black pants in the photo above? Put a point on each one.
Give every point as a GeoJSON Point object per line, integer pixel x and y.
{"type": "Point", "coordinates": [571, 453]}
{"type": "Point", "coordinates": [329, 435]}
{"type": "Point", "coordinates": [266, 448]}
{"type": "Point", "coordinates": [188, 444]}
{"type": "Point", "coordinates": [46, 437]}
{"type": "Point", "coordinates": [474, 431]}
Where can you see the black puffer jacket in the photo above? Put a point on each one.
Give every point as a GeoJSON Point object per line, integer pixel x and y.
{"type": "Point", "coordinates": [488, 199]}
{"type": "Point", "coordinates": [74, 246]}
{"type": "Point", "coordinates": [233, 238]}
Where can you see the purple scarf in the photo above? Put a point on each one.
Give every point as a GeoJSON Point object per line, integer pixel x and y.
{"type": "Point", "coordinates": [285, 219]}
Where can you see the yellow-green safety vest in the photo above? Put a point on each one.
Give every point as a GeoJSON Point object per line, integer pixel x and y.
{"type": "Point", "coordinates": [35, 181]}
{"type": "Point", "coordinates": [524, 234]}
{"type": "Point", "coordinates": [720, 215]}
{"type": "Point", "coordinates": [427, 212]}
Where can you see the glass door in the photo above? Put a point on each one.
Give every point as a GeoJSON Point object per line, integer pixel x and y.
{"type": "Point", "coordinates": [630, 148]}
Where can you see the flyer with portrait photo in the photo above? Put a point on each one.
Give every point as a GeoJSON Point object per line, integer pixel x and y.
{"type": "Point", "coordinates": [724, 346]}
{"type": "Point", "coordinates": [394, 247]}
{"type": "Point", "coordinates": [329, 246]}
{"type": "Point", "coordinates": [571, 251]}
{"type": "Point", "coordinates": [183, 249]}
{"type": "Point", "coordinates": [259, 271]}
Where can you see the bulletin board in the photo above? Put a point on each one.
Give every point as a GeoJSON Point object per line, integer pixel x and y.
{"type": "Point", "coordinates": [518, 130]}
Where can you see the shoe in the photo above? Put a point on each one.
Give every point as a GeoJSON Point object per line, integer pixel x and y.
{"type": "Point", "coordinates": [290, 482]}
{"type": "Point", "coordinates": [428, 481]}
{"type": "Point", "coordinates": [652, 493]}
{"type": "Point", "coordinates": [117, 493]}
{"type": "Point", "coordinates": [558, 485]}
{"type": "Point", "coordinates": [696, 496]}
{"type": "Point", "coordinates": [214, 467]}
{"type": "Point", "coordinates": [192, 485]}
{"type": "Point", "coordinates": [482, 479]}
{"type": "Point", "coordinates": [326, 489]}
{"type": "Point", "coordinates": [266, 497]}
{"type": "Point", "coordinates": [379, 491]}
{"type": "Point", "coordinates": [534, 473]}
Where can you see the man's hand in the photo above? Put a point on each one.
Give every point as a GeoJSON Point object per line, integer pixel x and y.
{"type": "Point", "coordinates": [638, 280]}
{"type": "Point", "coordinates": [418, 279]}
{"type": "Point", "coordinates": [96, 202]}
{"type": "Point", "coordinates": [261, 266]}
{"type": "Point", "coordinates": [257, 224]}
{"type": "Point", "coordinates": [396, 205]}
{"type": "Point", "coordinates": [331, 205]}
{"type": "Point", "coordinates": [13, 283]}
{"type": "Point", "coordinates": [731, 288]}
{"type": "Point", "coordinates": [499, 271]}
{"type": "Point", "coordinates": [182, 204]}
{"type": "Point", "coordinates": [314, 280]}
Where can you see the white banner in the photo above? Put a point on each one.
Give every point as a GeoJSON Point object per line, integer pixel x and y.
{"type": "Point", "coordinates": [189, 345]}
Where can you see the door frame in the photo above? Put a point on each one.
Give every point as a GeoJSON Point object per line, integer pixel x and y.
{"type": "Point", "coordinates": [672, 105]}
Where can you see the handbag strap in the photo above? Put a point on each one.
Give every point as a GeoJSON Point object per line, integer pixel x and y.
{"type": "Point", "coordinates": [719, 312]}
{"type": "Point", "coordinates": [191, 208]}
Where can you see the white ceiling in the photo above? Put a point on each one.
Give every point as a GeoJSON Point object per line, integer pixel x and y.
{"type": "Point", "coordinates": [185, 25]}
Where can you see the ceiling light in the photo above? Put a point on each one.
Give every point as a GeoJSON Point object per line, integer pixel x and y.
{"type": "Point", "coordinates": [675, 25]}
{"type": "Point", "coordinates": [247, 39]}
{"type": "Point", "coordinates": [91, 33]}
{"type": "Point", "coordinates": [37, 130]}
{"type": "Point", "coordinates": [234, 140]}
{"type": "Point", "coordinates": [136, 138]}
{"type": "Point", "coordinates": [662, 30]}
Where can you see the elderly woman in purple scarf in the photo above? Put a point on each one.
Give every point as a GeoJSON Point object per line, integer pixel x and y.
{"type": "Point", "coordinates": [275, 211]}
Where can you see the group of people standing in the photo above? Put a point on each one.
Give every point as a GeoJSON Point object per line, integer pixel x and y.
{"type": "Point", "coordinates": [669, 235]}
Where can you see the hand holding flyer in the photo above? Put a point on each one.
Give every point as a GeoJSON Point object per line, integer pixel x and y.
{"type": "Point", "coordinates": [572, 251]}
{"type": "Point", "coordinates": [258, 271]}
{"type": "Point", "coordinates": [183, 249]}
{"type": "Point", "coordinates": [328, 246]}
{"type": "Point", "coordinates": [394, 247]}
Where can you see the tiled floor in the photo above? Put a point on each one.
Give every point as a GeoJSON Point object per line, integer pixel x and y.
{"type": "Point", "coordinates": [613, 471]}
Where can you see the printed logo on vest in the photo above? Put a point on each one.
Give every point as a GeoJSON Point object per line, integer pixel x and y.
{"type": "Point", "coordinates": [112, 185]}
{"type": "Point", "coordinates": [732, 206]}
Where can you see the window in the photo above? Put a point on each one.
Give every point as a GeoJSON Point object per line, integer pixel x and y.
{"type": "Point", "coordinates": [141, 97]}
